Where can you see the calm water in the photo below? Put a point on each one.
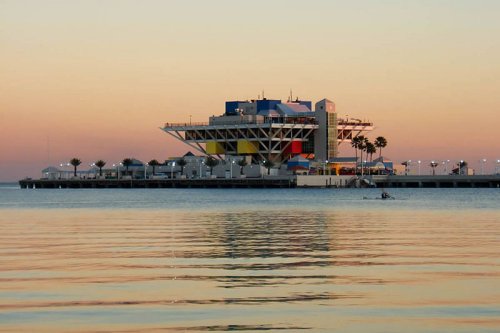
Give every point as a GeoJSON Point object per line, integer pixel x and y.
{"type": "Point", "coordinates": [302, 260]}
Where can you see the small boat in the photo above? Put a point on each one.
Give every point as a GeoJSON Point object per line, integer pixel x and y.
{"type": "Point", "coordinates": [383, 196]}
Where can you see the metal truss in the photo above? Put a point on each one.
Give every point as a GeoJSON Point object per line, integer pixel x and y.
{"type": "Point", "coordinates": [346, 131]}
{"type": "Point", "coordinates": [273, 138]}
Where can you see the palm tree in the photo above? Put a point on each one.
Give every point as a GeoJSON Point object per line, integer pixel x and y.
{"type": "Point", "coordinates": [370, 149]}
{"type": "Point", "coordinates": [126, 163]}
{"type": "Point", "coordinates": [100, 164]}
{"type": "Point", "coordinates": [355, 144]}
{"type": "Point", "coordinates": [433, 165]}
{"type": "Point", "coordinates": [242, 163]}
{"type": "Point", "coordinates": [380, 142]}
{"type": "Point", "coordinates": [362, 147]}
{"type": "Point", "coordinates": [75, 162]}
{"type": "Point", "coordinates": [268, 164]}
{"type": "Point", "coordinates": [182, 163]}
{"type": "Point", "coordinates": [211, 163]}
{"type": "Point", "coordinates": [154, 164]}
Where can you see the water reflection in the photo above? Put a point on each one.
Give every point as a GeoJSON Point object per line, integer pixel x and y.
{"type": "Point", "coordinates": [267, 235]}
{"type": "Point", "coordinates": [247, 270]}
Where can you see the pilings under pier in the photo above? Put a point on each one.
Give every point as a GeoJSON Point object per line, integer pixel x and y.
{"type": "Point", "coordinates": [271, 182]}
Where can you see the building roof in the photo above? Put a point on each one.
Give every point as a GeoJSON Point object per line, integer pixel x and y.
{"type": "Point", "coordinates": [381, 159]}
{"type": "Point", "coordinates": [292, 109]}
{"type": "Point", "coordinates": [343, 160]}
{"type": "Point", "coordinates": [51, 169]}
{"type": "Point", "coordinates": [298, 158]}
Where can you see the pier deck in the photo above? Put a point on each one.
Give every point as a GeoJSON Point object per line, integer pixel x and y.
{"type": "Point", "coordinates": [429, 181]}
{"type": "Point", "coordinates": [272, 182]}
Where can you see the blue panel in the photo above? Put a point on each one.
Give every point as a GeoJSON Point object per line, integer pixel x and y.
{"type": "Point", "coordinates": [267, 104]}
{"type": "Point", "coordinates": [231, 107]}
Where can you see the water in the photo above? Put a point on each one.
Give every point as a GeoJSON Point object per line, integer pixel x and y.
{"type": "Point", "coordinates": [286, 260]}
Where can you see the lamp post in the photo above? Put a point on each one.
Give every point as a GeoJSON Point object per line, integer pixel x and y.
{"type": "Point", "coordinates": [172, 165]}
{"type": "Point", "coordinates": [419, 162]}
{"type": "Point", "coordinates": [64, 172]}
{"type": "Point", "coordinates": [231, 169]}
{"type": "Point", "coordinates": [145, 170]}
{"type": "Point", "coordinates": [117, 172]}
{"type": "Point", "coordinates": [201, 163]}
{"type": "Point", "coordinates": [408, 164]}
{"type": "Point", "coordinates": [483, 162]}
{"type": "Point", "coordinates": [90, 167]}
{"type": "Point", "coordinates": [445, 163]}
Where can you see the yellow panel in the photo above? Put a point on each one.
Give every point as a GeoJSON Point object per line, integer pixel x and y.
{"type": "Point", "coordinates": [247, 147]}
{"type": "Point", "coordinates": [214, 147]}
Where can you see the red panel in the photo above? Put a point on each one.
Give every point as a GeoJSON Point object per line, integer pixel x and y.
{"type": "Point", "coordinates": [294, 148]}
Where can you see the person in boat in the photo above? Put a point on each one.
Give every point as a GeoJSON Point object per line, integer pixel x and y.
{"type": "Point", "coordinates": [385, 195]}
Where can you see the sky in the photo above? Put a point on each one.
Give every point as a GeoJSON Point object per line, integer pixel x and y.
{"type": "Point", "coordinates": [97, 79]}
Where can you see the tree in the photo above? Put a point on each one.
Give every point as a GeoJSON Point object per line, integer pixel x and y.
{"type": "Point", "coordinates": [362, 147]}
{"type": "Point", "coordinates": [380, 142]}
{"type": "Point", "coordinates": [154, 164]}
{"type": "Point", "coordinates": [211, 163]}
{"type": "Point", "coordinates": [268, 165]}
{"type": "Point", "coordinates": [242, 163]}
{"type": "Point", "coordinates": [407, 166]}
{"type": "Point", "coordinates": [370, 150]}
{"type": "Point", "coordinates": [100, 164]}
{"type": "Point", "coordinates": [75, 162]}
{"type": "Point", "coordinates": [355, 144]}
{"type": "Point", "coordinates": [182, 163]}
{"type": "Point", "coordinates": [433, 165]}
{"type": "Point", "coordinates": [126, 163]}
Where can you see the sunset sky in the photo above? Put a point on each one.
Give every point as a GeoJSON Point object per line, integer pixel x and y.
{"type": "Point", "coordinates": [96, 79]}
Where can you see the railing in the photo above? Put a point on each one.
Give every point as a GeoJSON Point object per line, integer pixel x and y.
{"type": "Point", "coordinates": [186, 124]}
{"type": "Point", "coordinates": [342, 122]}
{"type": "Point", "coordinates": [266, 120]}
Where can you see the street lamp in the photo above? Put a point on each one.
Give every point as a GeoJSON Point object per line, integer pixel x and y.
{"type": "Point", "coordinates": [483, 162]}
{"type": "Point", "coordinates": [90, 167]}
{"type": "Point", "coordinates": [172, 165]}
{"type": "Point", "coordinates": [62, 165]}
{"type": "Point", "coordinates": [117, 171]}
{"type": "Point", "coordinates": [419, 161]}
{"type": "Point", "coordinates": [202, 163]}
{"type": "Point", "coordinates": [231, 169]}
{"type": "Point", "coordinates": [445, 163]}
{"type": "Point", "coordinates": [145, 170]}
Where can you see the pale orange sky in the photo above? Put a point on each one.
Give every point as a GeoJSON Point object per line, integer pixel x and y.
{"type": "Point", "coordinates": [95, 79]}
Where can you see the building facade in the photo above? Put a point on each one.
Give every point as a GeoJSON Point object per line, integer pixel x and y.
{"type": "Point", "coordinates": [271, 130]}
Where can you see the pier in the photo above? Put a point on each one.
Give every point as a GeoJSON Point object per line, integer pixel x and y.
{"type": "Point", "coordinates": [428, 181]}
{"type": "Point", "coordinates": [267, 182]}
{"type": "Point", "coordinates": [445, 181]}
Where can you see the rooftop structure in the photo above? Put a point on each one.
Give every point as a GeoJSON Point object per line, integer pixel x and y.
{"type": "Point", "coordinates": [268, 129]}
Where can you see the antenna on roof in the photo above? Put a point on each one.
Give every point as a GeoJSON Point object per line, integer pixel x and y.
{"type": "Point", "coordinates": [263, 95]}
{"type": "Point", "coordinates": [291, 98]}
